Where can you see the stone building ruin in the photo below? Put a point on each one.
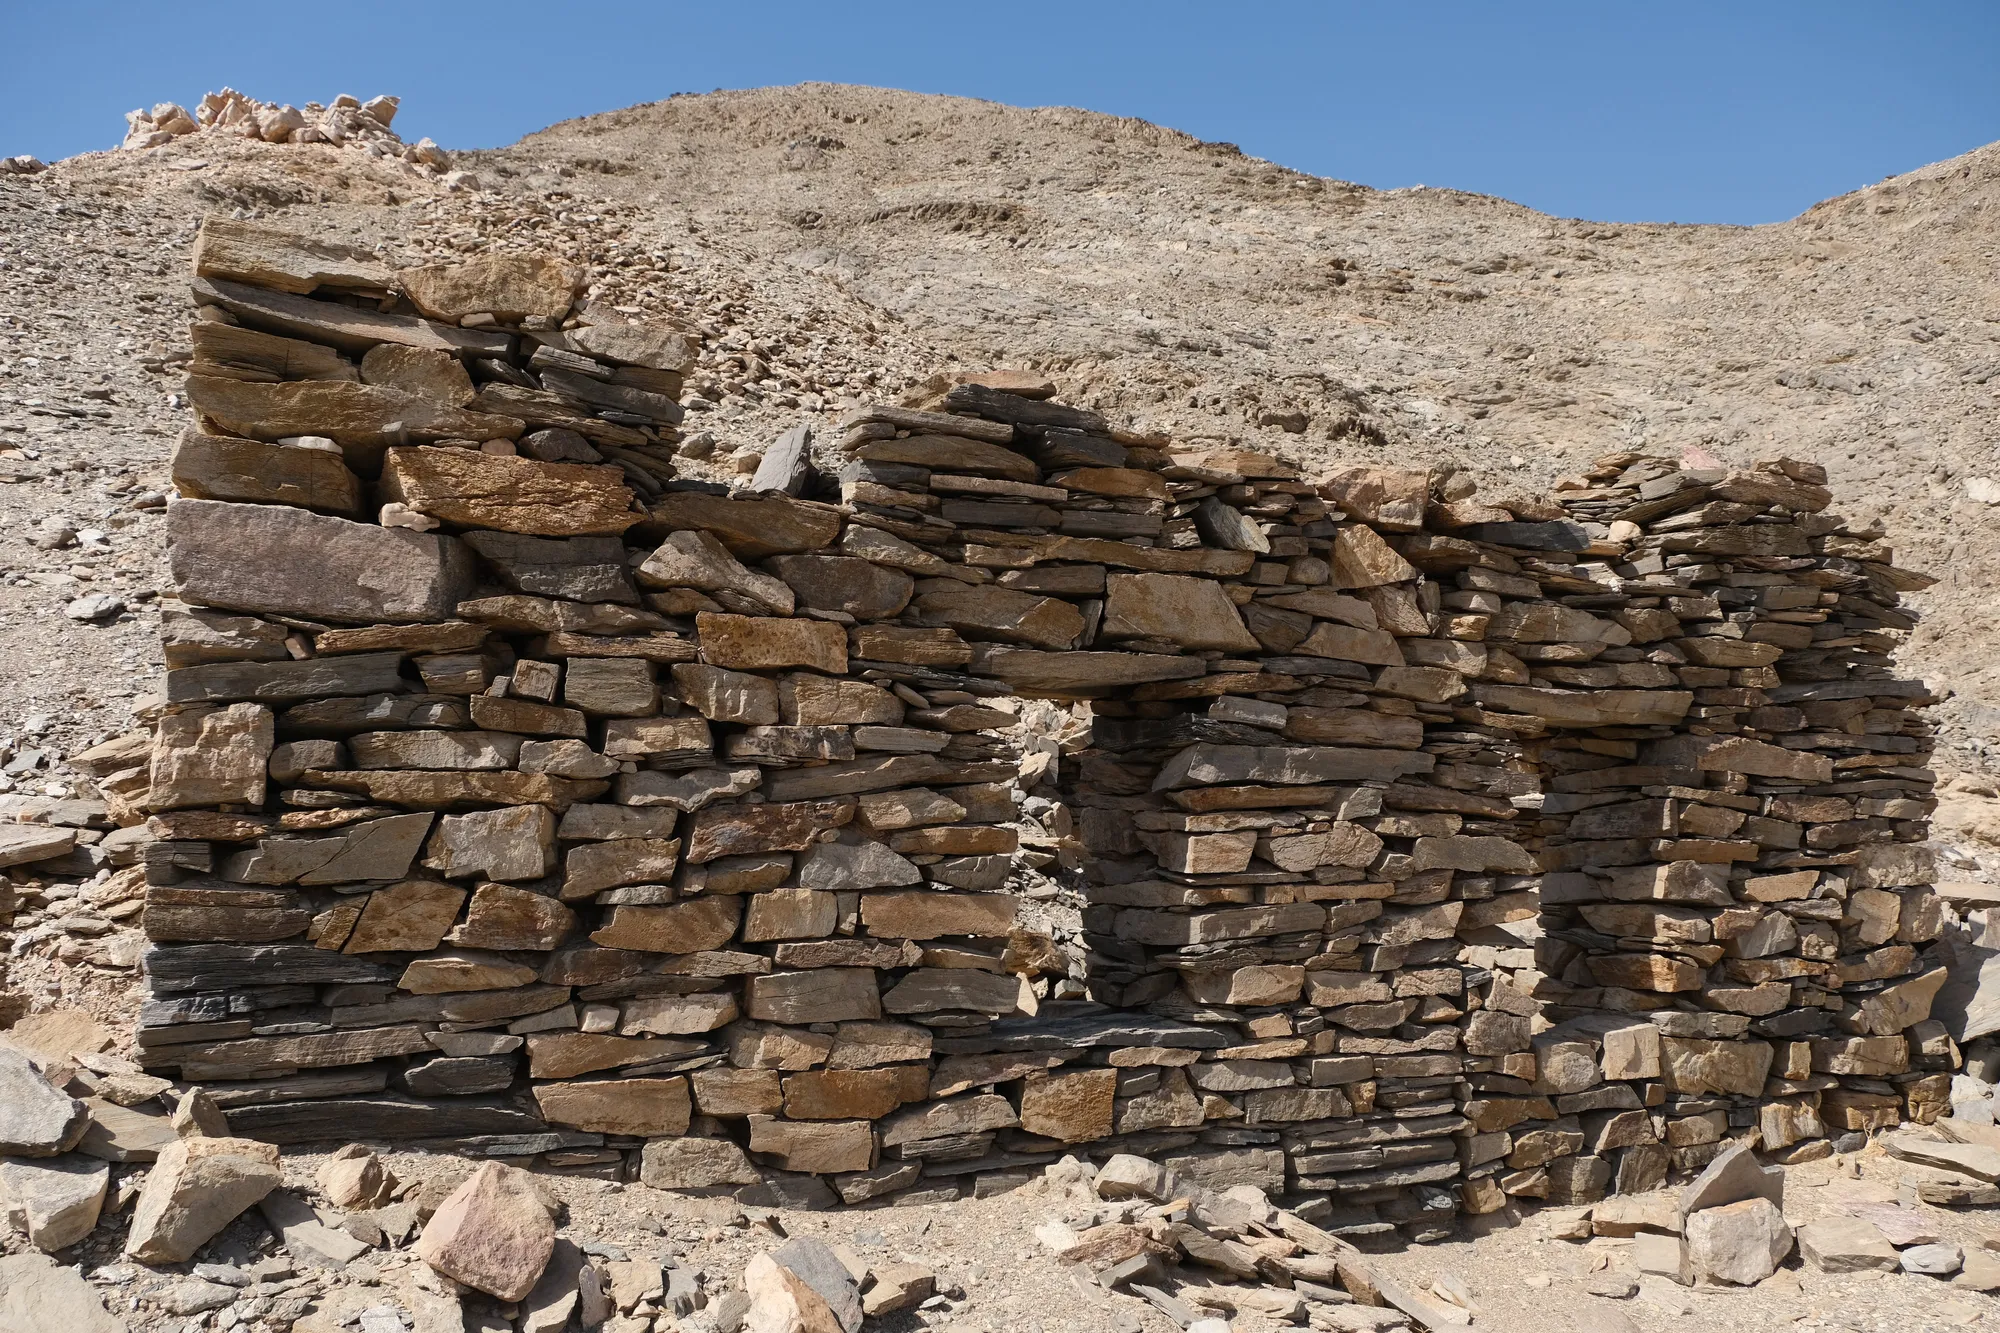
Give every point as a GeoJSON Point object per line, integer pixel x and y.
{"type": "Point", "coordinates": [1016, 785]}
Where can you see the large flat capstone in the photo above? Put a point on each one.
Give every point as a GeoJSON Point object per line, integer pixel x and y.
{"type": "Point", "coordinates": [277, 560]}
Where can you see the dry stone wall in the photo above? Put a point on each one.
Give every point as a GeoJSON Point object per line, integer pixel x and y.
{"type": "Point", "coordinates": [1015, 786]}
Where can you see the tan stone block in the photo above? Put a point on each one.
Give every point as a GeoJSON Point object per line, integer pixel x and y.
{"type": "Point", "coordinates": [409, 917]}
{"type": "Point", "coordinates": [505, 285]}
{"type": "Point", "coordinates": [1193, 612]}
{"type": "Point", "coordinates": [737, 1091]}
{"type": "Point", "coordinates": [645, 1107]}
{"type": "Point", "coordinates": [211, 757]}
{"type": "Point", "coordinates": [509, 494]}
{"type": "Point", "coordinates": [822, 1147]}
{"type": "Point", "coordinates": [678, 1015]}
{"type": "Point", "coordinates": [925, 914]}
{"type": "Point", "coordinates": [739, 830]}
{"type": "Point", "coordinates": [1075, 1108]}
{"type": "Point", "coordinates": [763, 643]}
{"type": "Point", "coordinates": [790, 914]}
{"type": "Point", "coordinates": [502, 917]}
{"type": "Point", "coordinates": [424, 371]}
{"type": "Point", "coordinates": [561, 1055]}
{"type": "Point", "coordinates": [689, 927]}
{"type": "Point", "coordinates": [827, 995]}
{"type": "Point", "coordinates": [842, 1094]}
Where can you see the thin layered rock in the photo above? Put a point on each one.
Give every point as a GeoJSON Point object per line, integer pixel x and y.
{"type": "Point", "coordinates": [1018, 785]}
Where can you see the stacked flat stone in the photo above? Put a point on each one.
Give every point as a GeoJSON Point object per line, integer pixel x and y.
{"type": "Point", "coordinates": [551, 810]}
{"type": "Point", "coordinates": [1736, 914]}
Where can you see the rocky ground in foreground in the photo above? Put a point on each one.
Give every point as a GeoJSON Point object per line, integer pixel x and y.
{"type": "Point", "coordinates": [166, 1227]}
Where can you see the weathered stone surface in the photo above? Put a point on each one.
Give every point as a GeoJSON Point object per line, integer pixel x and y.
{"type": "Point", "coordinates": [848, 867]}
{"type": "Point", "coordinates": [931, 989]}
{"type": "Point", "coordinates": [36, 1294]}
{"type": "Point", "coordinates": [751, 528]}
{"type": "Point", "coordinates": [802, 1287]}
{"type": "Point", "coordinates": [1361, 559]}
{"type": "Point", "coordinates": [1386, 498]}
{"type": "Point", "coordinates": [511, 494]}
{"type": "Point", "coordinates": [257, 1057]}
{"type": "Point", "coordinates": [409, 917]}
{"type": "Point", "coordinates": [821, 1146]}
{"type": "Point", "coordinates": [233, 351]}
{"type": "Point", "coordinates": [633, 342]}
{"type": "Point", "coordinates": [196, 1188]}
{"type": "Point", "coordinates": [925, 915]}
{"type": "Point", "coordinates": [492, 1233]}
{"type": "Point", "coordinates": [354, 1177]}
{"type": "Point", "coordinates": [1978, 1160]}
{"type": "Point", "coordinates": [422, 371]}
{"type": "Point", "coordinates": [350, 328]}
{"type": "Point", "coordinates": [314, 678]}
{"type": "Point", "coordinates": [56, 1203]}
{"type": "Point", "coordinates": [1000, 613]}
{"type": "Point", "coordinates": [844, 1094]}
{"type": "Point", "coordinates": [463, 970]}
{"type": "Point", "coordinates": [1193, 612]}
{"type": "Point", "coordinates": [460, 751]}
{"type": "Point", "coordinates": [684, 792]}
{"type": "Point", "coordinates": [506, 286]}
{"type": "Point", "coordinates": [23, 844]}
{"type": "Point", "coordinates": [560, 1055]}
{"type": "Point", "coordinates": [737, 830]}
{"type": "Point", "coordinates": [1593, 708]}
{"type": "Point", "coordinates": [581, 569]}
{"type": "Point", "coordinates": [825, 995]}
{"type": "Point", "coordinates": [1200, 765]}
{"type": "Point", "coordinates": [442, 791]}
{"type": "Point", "coordinates": [502, 917]}
{"type": "Point", "coordinates": [284, 261]}
{"type": "Point", "coordinates": [275, 559]}
{"type": "Point", "coordinates": [364, 419]}
{"type": "Point", "coordinates": [680, 1015]}
{"type": "Point", "coordinates": [308, 1240]}
{"type": "Point", "coordinates": [1692, 1065]}
{"type": "Point", "coordinates": [1078, 673]}
{"type": "Point", "coordinates": [763, 643]}
{"type": "Point", "coordinates": [790, 914]}
{"type": "Point", "coordinates": [1733, 1176]}
{"type": "Point", "coordinates": [1074, 1108]}
{"type": "Point", "coordinates": [513, 843]}
{"type": "Point", "coordinates": [218, 467]}
{"type": "Point", "coordinates": [1741, 1243]}
{"type": "Point", "coordinates": [36, 1120]}
{"type": "Point", "coordinates": [728, 696]}
{"type": "Point", "coordinates": [647, 1107]}
{"type": "Point", "coordinates": [211, 757]}
{"type": "Point", "coordinates": [686, 927]}
{"type": "Point", "coordinates": [695, 1163]}
{"type": "Point", "coordinates": [1845, 1245]}
{"type": "Point", "coordinates": [699, 560]}
{"type": "Point", "coordinates": [859, 588]}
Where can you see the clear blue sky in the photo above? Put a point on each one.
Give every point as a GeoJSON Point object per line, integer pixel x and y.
{"type": "Point", "coordinates": [1691, 111]}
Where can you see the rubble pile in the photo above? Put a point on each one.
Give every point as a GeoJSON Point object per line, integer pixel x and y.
{"type": "Point", "coordinates": [1019, 785]}
{"type": "Point", "coordinates": [346, 122]}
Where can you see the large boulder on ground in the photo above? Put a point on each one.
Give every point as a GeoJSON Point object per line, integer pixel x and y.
{"type": "Point", "coordinates": [55, 1202]}
{"type": "Point", "coordinates": [801, 1287]}
{"type": "Point", "coordinates": [38, 1295]}
{"type": "Point", "coordinates": [196, 1188]}
{"type": "Point", "coordinates": [493, 1233]}
{"type": "Point", "coordinates": [36, 1119]}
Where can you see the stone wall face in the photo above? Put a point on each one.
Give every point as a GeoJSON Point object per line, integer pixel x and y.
{"type": "Point", "coordinates": [1029, 787]}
